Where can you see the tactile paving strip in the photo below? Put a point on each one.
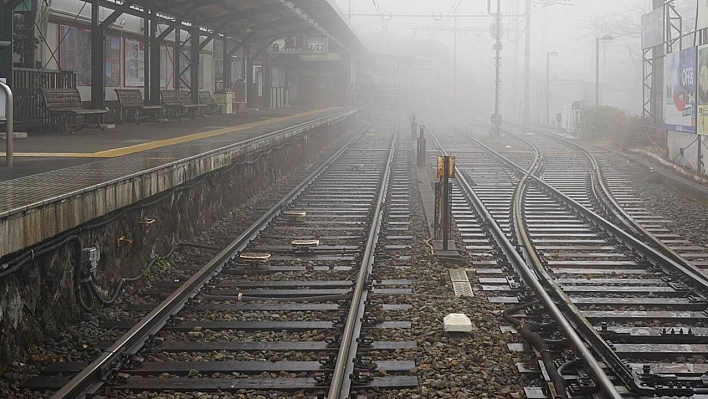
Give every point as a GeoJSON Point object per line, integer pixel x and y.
{"type": "Point", "coordinates": [460, 283]}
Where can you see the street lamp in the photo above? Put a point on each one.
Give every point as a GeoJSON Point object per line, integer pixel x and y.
{"type": "Point", "coordinates": [548, 92]}
{"type": "Point", "coordinates": [597, 65]}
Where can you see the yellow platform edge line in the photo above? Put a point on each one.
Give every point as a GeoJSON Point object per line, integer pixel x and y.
{"type": "Point", "coordinates": [57, 155]}
{"type": "Point", "coordinates": [118, 152]}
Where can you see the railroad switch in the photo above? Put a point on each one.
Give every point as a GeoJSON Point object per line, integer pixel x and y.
{"type": "Point", "coordinates": [582, 386]}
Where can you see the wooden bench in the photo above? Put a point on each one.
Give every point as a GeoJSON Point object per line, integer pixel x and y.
{"type": "Point", "coordinates": [131, 102]}
{"type": "Point", "coordinates": [67, 105]}
{"type": "Point", "coordinates": [181, 102]}
{"type": "Point", "coordinates": [211, 107]}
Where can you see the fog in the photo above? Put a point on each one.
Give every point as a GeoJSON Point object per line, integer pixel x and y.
{"type": "Point", "coordinates": [568, 27]}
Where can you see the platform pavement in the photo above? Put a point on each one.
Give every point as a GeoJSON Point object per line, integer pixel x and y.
{"type": "Point", "coordinates": [51, 151]}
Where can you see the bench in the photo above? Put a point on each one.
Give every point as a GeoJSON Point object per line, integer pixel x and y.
{"type": "Point", "coordinates": [131, 102]}
{"type": "Point", "coordinates": [211, 107]}
{"type": "Point", "coordinates": [181, 102]}
{"type": "Point", "coordinates": [67, 105]}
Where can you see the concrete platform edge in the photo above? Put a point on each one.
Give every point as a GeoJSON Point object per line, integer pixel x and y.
{"type": "Point", "coordinates": [18, 227]}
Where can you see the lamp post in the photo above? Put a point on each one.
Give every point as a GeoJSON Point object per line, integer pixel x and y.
{"type": "Point", "coordinates": [548, 91]}
{"type": "Point", "coordinates": [597, 65]}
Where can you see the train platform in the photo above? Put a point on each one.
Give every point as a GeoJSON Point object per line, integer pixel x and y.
{"type": "Point", "coordinates": [60, 181]}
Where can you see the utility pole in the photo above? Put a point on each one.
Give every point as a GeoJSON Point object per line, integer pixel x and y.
{"type": "Point", "coordinates": [497, 65]}
{"type": "Point", "coordinates": [527, 65]}
{"type": "Point", "coordinates": [454, 66]}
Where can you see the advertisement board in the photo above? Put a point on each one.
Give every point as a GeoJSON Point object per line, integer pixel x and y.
{"type": "Point", "coordinates": [653, 28]}
{"type": "Point", "coordinates": [702, 93]}
{"type": "Point", "coordinates": [702, 16]}
{"type": "Point", "coordinates": [680, 91]}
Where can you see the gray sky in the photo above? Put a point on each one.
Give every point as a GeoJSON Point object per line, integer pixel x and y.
{"type": "Point", "coordinates": [559, 27]}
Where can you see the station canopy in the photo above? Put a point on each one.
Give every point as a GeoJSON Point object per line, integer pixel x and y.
{"type": "Point", "coordinates": [256, 21]}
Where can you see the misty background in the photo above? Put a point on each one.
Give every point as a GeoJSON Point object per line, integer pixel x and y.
{"type": "Point", "coordinates": [568, 27]}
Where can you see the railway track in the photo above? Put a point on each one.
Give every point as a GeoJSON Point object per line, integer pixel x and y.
{"type": "Point", "coordinates": [297, 305]}
{"type": "Point", "coordinates": [608, 283]}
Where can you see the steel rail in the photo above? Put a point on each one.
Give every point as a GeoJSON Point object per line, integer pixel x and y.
{"type": "Point", "coordinates": [530, 276]}
{"type": "Point", "coordinates": [97, 372]}
{"type": "Point", "coordinates": [620, 213]}
{"type": "Point", "coordinates": [340, 386]}
{"type": "Point", "coordinates": [642, 248]}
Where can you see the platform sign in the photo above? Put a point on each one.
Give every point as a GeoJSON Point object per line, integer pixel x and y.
{"type": "Point", "coordinates": [299, 44]}
{"type": "Point", "coordinates": [680, 91]}
{"type": "Point", "coordinates": [653, 28]}
{"type": "Point", "coordinates": [451, 167]}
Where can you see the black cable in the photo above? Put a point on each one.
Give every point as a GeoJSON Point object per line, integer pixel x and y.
{"type": "Point", "coordinates": [529, 332]}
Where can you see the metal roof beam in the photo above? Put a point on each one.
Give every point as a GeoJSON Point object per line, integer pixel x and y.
{"type": "Point", "coordinates": [120, 10]}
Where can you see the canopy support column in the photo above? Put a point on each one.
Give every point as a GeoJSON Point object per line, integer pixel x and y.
{"type": "Point", "coordinates": [98, 58]}
{"type": "Point", "coordinates": [155, 62]}
{"type": "Point", "coordinates": [194, 58]}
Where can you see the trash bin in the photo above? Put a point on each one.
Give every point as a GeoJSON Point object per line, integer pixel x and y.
{"type": "Point", "coordinates": [224, 100]}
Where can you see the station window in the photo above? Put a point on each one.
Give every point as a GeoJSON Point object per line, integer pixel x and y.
{"type": "Point", "coordinates": [75, 55]}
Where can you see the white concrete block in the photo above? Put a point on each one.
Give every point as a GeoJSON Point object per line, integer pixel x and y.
{"type": "Point", "coordinates": [457, 322]}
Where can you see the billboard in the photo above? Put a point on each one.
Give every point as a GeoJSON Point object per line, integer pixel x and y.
{"type": "Point", "coordinates": [299, 44]}
{"type": "Point", "coordinates": [653, 28]}
{"type": "Point", "coordinates": [702, 16]}
{"type": "Point", "coordinates": [702, 94]}
{"type": "Point", "coordinates": [680, 91]}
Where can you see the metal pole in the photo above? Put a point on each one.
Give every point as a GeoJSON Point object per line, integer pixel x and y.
{"type": "Point", "coordinates": [597, 71]}
{"type": "Point", "coordinates": [527, 65]}
{"type": "Point", "coordinates": [155, 62]}
{"type": "Point", "coordinates": [421, 147]}
{"type": "Point", "coordinates": [700, 154]}
{"type": "Point", "coordinates": [147, 22]}
{"type": "Point", "coordinates": [194, 62]}
{"type": "Point", "coordinates": [226, 65]}
{"type": "Point", "coordinates": [497, 57]}
{"type": "Point", "coordinates": [6, 29]}
{"type": "Point", "coordinates": [9, 117]}
{"type": "Point", "coordinates": [98, 58]}
{"type": "Point", "coordinates": [454, 67]}
{"type": "Point", "coordinates": [177, 55]}
{"type": "Point", "coordinates": [446, 204]}
{"type": "Point", "coordinates": [548, 93]}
